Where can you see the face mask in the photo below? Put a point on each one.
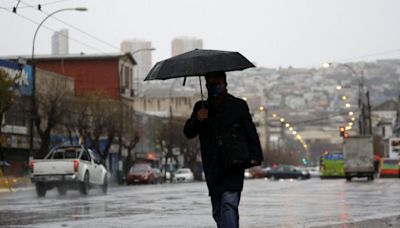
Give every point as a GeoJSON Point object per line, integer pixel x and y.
{"type": "Point", "coordinates": [215, 90]}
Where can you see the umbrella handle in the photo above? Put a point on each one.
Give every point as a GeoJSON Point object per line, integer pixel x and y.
{"type": "Point", "coordinates": [184, 81]}
{"type": "Point", "coordinates": [201, 92]}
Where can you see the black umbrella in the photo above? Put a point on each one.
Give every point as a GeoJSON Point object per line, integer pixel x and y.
{"type": "Point", "coordinates": [197, 63]}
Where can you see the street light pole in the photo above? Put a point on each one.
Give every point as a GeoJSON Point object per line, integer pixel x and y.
{"type": "Point", "coordinates": [361, 103]}
{"type": "Point", "coordinates": [33, 96]}
{"type": "Point", "coordinates": [142, 49]}
{"type": "Point", "coordinates": [137, 70]}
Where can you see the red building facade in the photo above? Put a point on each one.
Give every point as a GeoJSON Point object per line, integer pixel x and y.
{"type": "Point", "coordinates": [108, 74]}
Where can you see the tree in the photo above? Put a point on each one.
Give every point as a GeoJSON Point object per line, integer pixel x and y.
{"type": "Point", "coordinates": [96, 116]}
{"type": "Point", "coordinates": [6, 98]}
{"type": "Point", "coordinates": [77, 120]}
{"type": "Point", "coordinates": [171, 133]}
{"type": "Point", "coordinates": [128, 137]}
{"type": "Point", "coordinates": [191, 152]}
{"type": "Point", "coordinates": [106, 118]}
{"type": "Point", "coordinates": [49, 107]}
{"type": "Point", "coordinates": [7, 94]}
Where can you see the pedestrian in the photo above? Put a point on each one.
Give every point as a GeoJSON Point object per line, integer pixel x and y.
{"type": "Point", "coordinates": [221, 113]}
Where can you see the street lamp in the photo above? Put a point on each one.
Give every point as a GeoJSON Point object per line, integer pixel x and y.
{"type": "Point", "coordinates": [142, 49]}
{"type": "Point", "coordinates": [33, 108]}
{"type": "Point", "coordinates": [137, 71]}
{"type": "Point", "coordinates": [48, 16]}
{"type": "Point", "coordinates": [361, 104]}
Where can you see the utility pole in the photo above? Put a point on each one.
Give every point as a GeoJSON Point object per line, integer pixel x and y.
{"type": "Point", "coordinates": [369, 115]}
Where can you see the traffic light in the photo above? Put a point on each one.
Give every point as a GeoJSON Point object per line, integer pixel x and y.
{"type": "Point", "coordinates": [342, 131]}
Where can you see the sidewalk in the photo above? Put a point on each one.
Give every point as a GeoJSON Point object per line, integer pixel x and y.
{"type": "Point", "coordinates": [14, 184]}
{"type": "Point", "coordinates": [391, 221]}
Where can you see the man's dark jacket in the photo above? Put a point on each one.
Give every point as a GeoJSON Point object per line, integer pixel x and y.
{"type": "Point", "coordinates": [229, 112]}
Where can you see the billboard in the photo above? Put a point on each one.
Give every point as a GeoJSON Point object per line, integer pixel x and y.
{"type": "Point", "coordinates": [24, 83]}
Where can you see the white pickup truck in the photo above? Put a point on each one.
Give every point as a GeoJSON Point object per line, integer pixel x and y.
{"type": "Point", "coordinates": [68, 167]}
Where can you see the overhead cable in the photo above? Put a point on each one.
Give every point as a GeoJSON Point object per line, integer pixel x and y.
{"type": "Point", "coordinates": [74, 27]}
{"type": "Point", "coordinates": [53, 30]}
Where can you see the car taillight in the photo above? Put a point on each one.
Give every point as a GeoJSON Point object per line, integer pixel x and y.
{"type": "Point", "coordinates": [76, 165]}
{"type": "Point", "coordinates": [32, 164]}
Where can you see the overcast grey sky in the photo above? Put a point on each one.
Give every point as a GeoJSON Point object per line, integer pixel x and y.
{"type": "Point", "coordinates": [271, 33]}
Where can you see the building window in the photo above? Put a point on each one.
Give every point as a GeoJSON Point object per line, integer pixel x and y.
{"type": "Point", "coordinates": [126, 77]}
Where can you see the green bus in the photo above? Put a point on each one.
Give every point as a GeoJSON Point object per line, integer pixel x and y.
{"type": "Point", "coordinates": [332, 165]}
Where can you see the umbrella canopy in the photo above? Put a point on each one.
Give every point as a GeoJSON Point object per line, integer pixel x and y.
{"type": "Point", "coordinates": [197, 63]}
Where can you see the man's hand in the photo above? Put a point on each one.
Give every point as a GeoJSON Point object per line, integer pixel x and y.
{"type": "Point", "coordinates": [202, 114]}
{"type": "Point", "coordinates": [255, 162]}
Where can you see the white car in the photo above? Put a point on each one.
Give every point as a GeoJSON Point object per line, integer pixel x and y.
{"type": "Point", "coordinates": [314, 171]}
{"type": "Point", "coordinates": [68, 167]}
{"type": "Point", "coordinates": [183, 174]}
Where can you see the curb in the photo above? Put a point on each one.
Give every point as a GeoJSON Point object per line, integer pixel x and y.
{"type": "Point", "coordinates": [15, 184]}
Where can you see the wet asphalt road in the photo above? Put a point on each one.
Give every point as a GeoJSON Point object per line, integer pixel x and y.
{"type": "Point", "coordinates": [264, 203]}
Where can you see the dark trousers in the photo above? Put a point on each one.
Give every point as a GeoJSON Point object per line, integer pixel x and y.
{"type": "Point", "coordinates": [225, 209]}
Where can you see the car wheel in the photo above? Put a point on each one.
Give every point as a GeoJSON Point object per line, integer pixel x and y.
{"type": "Point", "coordinates": [84, 185]}
{"type": "Point", "coordinates": [62, 190]}
{"type": "Point", "coordinates": [371, 178]}
{"type": "Point", "coordinates": [104, 186]}
{"type": "Point", "coordinates": [41, 189]}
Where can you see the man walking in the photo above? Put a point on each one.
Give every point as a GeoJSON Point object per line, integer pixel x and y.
{"type": "Point", "coordinates": [223, 112]}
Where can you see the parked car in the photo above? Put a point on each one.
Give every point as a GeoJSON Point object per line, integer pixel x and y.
{"type": "Point", "coordinates": [183, 174]}
{"type": "Point", "coordinates": [68, 167]}
{"type": "Point", "coordinates": [158, 176]}
{"type": "Point", "coordinates": [314, 171]}
{"type": "Point", "coordinates": [287, 172]}
{"type": "Point", "coordinates": [141, 173]}
{"type": "Point", "coordinates": [389, 167]}
{"type": "Point", "coordinates": [256, 172]}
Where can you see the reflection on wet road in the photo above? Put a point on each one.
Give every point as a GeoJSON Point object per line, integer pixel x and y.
{"type": "Point", "coordinates": [264, 203]}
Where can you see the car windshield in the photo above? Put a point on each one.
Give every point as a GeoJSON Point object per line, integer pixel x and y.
{"type": "Point", "coordinates": [390, 162]}
{"type": "Point", "coordinates": [140, 168]}
{"type": "Point", "coordinates": [182, 171]}
{"type": "Point", "coordinates": [70, 153]}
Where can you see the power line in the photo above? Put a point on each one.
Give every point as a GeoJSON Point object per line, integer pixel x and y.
{"type": "Point", "coordinates": [370, 55]}
{"type": "Point", "coordinates": [45, 4]}
{"type": "Point", "coordinates": [29, 6]}
{"type": "Point", "coordinates": [48, 28]}
{"type": "Point", "coordinates": [74, 27]}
